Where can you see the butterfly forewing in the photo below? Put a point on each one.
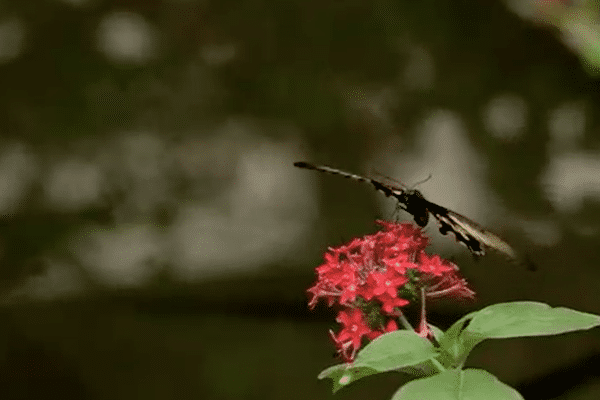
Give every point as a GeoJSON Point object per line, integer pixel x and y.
{"type": "Point", "coordinates": [476, 233]}
{"type": "Point", "coordinates": [409, 200]}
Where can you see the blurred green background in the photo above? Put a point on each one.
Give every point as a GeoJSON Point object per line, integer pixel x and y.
{"type": "Point", "coordinates": [156, 241]}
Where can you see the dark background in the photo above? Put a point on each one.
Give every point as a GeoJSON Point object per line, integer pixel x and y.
{"type": "Point", "coordinates": [224, 79]}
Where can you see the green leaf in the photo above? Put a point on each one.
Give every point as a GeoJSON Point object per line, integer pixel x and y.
{"type": "Point", "coordinates": [508, 320]}
{"type": "Point", "coordinates": [391, 351]}
{"type": "Point", "coordinates": [395, 350]}
{"type": "Point", "coordinates": [470, 384]}
{"type": "Point", "coordinates": [426, 368]}
{"type": "Point", "coordinates": [453, 346]}
{"type": "Point", "coordinates": [528, 318]}
{"type": "Point", "coordinates": [344, 374]}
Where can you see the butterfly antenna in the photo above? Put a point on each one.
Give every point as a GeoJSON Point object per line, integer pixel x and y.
{"type": "Point", "coordinates": [422, 181]}
{"type": "Point", "coordinates": [389, 179]}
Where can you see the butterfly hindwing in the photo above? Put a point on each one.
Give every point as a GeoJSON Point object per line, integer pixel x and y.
{"type": "Point", "coordinates": [471, 234]}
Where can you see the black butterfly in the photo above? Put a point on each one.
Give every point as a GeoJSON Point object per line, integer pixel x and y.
{"type": "Point", "coordinates": [468, 232]}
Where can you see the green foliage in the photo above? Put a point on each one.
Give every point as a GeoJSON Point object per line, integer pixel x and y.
{"type": "Point", "coordinates": [442, 364]}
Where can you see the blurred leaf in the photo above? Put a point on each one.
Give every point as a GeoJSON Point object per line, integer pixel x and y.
{"type": "Point", "coordinates": [469, 384]}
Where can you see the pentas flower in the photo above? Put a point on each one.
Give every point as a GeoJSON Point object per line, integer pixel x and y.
{"type": "Point", "coordinates": [440, 278]}
{"type": "Point", "coordinates": [354, 327]}
{"type": "Point", "coordinates": [372, 278]}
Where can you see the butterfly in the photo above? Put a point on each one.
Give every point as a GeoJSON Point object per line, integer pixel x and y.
{"type": "Point", "coordinates": [468, 232]}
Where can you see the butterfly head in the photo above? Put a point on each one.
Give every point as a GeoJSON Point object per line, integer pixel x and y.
{"type": "Point", "coordinates": [415, 204]}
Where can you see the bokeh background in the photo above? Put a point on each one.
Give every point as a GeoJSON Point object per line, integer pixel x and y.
{"type": "Point", "coordinates": [156, 241]}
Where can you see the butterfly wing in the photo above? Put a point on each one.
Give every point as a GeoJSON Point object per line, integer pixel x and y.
{"type": "Point", "coordinates": [471, 234]}
{"type": "Point", "coordinates": [388, 190]}
{"type": "Point", "coordinates": [409, 200]}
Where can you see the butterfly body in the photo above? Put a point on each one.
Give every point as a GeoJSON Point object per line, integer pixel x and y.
{"type": "Point", "coordinates": [466, 231]}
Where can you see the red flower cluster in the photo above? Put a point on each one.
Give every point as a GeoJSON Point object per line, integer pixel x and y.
{"type": "Point", "coordinates": [373, 277]}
